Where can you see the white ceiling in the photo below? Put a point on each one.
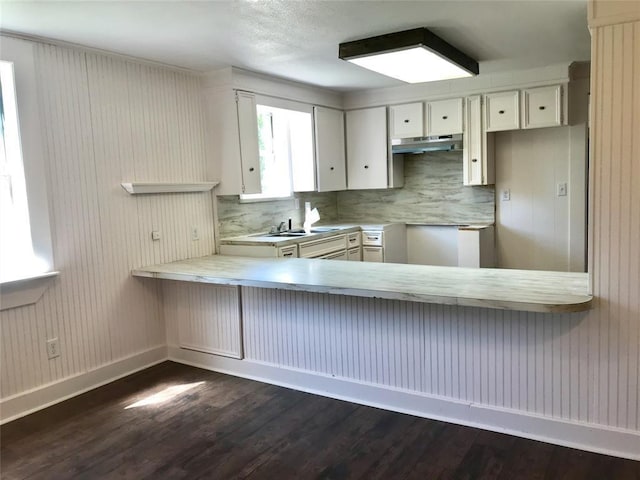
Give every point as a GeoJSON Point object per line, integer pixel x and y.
{"type": "Point", "coordinates": [299, 39]}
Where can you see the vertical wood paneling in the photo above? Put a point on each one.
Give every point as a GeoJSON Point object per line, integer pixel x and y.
{"type": "Point", "coordinates": [106, 121]}
{"type": "Point", "coordinates": [205, 318]}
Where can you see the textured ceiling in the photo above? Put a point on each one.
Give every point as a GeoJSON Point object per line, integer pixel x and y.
{"type": "Point", "coordinates": [299, 39]}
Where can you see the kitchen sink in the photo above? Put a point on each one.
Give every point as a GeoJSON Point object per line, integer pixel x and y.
{"type": "Point", "coordinates": [298, 232]}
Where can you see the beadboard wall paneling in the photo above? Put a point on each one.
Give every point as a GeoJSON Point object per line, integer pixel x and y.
{"type": "Point", "coordinates": [615, 220]}
{"type": "Point", "coordinates": [106, 121]}
{"type": "Point", "coordinates": [207, 317]}
{"type": "Point", "coordinates": [512, 360]}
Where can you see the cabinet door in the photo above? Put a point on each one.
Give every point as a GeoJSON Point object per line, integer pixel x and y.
{"type": "Point", "coordinates": [502, 111]}
{"type": "Point", "coordinates": [372, 254]}
{"type": "Point", "coordinates": [406, 120]}
{"type": "Point", "coordinates": [330, 154]}
{"type": "Point", "coordinates": [542, 107]}
{"type": "Point", "coordinates": [212, 324]}
{"type": "Point", "coordinates": [444, 117]}
{"type": "Point", "coordinates": [367, 148]}
{"type": "Point", "coordinates": [477, 155]}
{"type": "Point", "coordinates": [248, 131]}
{"type": "Point", "coordinates": [355, 254]}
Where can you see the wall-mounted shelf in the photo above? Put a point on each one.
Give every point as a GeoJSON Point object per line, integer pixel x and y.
{"type": "Point", "coordinates": [142, 188]}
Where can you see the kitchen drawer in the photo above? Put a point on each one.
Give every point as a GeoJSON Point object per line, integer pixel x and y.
{"type": "Point", "coordinates": [342, 255]}
{"type": "Point", "coordinates": [288, 252]}
{"type": "Point", "coordinates": [372, 238]}
{"type": "Point", "coordinates": [323, 246]}
{"type": "Point", "coordinates": [354, 239]}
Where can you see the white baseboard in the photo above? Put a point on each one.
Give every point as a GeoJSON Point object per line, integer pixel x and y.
{"type": "Point", "coordinates": [31, 401]}
{"type": "Point", "coordinates": [583, 436]}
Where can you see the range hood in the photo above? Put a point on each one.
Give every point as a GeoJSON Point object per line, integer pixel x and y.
{"type": "Point", "coordinates": [441, 143]}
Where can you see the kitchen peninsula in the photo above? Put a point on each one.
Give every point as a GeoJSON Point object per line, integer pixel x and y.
{"type": "Point", "coordinates": [534, 291]}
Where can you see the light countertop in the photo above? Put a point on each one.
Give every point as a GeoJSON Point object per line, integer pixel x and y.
{"type": "Point", "coordinates": [523, 290]}
{"type": "Point", "coordinates": [264, 239]}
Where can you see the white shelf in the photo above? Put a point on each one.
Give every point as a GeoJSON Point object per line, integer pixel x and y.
{"type": "Point", "coordinates": [141, 188]}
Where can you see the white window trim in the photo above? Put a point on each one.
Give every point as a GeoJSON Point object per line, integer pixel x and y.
{"type": "Point", "coordinates": [21, 53]}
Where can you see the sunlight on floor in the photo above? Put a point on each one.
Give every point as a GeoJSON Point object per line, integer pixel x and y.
{"type": "Point", "coordinates": [165, 395]}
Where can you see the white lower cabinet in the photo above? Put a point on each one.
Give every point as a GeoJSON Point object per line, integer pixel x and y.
{"type": "Point", "coordinates": [373, 254]}
{"type": "Point", "coordinates": [355, 254]}
{"type": "Point", "coordinates": [323, 247]}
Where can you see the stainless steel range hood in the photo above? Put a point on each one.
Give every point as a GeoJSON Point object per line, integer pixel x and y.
{"type": "Point", "coordinates": [447, 143]}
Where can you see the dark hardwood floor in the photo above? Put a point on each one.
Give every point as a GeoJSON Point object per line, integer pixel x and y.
{"type": "Point", "coordinates": [227, 427]}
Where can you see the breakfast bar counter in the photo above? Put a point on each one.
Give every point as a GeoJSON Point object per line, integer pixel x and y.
{"type": "Point", "coordinates": [522, 290]}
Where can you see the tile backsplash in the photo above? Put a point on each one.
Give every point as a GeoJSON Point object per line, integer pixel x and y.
{"type": "Point", "coordinates": [433, 194]}
{"type": "Point", "coordinates": [235, 218]}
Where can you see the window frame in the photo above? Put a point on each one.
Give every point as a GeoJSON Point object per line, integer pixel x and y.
{"type": "Point", "coordinates": [285, 104]}
{"type": "Point", "coordinates": [15, 292]}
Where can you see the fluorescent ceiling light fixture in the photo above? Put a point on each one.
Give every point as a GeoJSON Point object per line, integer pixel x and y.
{"type": "Point", "coordinates": [413, 56]}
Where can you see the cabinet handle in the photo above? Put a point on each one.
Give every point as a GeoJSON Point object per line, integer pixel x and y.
{"type": "Point", "coordinates": [331, 168]}
{"type": "Point", "coordinates": [406, 120]}
{"type": "Point", "coordinates": [474, 160]}
{"type": "Point", "coordinates": [541, 107]}
{"type": "Point", "coordinates": [444, 117]}
{"type": "Point", "coordinates": [366, 166]}
{"type": "Point", "coordinates": [290, 254]}
{"type": "Point", "coordinates": [501, 112]}
{"type": "Point", "coordinates": [251, 169]}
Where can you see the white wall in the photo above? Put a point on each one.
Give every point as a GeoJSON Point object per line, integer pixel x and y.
{"type": "Point", "coordinates": [533, 227]}
{"type": "Point", "coordinates": [105, 121]}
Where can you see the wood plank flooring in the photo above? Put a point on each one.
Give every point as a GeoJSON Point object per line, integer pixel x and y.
{"type": "Point", "coordinates": [232, 428]}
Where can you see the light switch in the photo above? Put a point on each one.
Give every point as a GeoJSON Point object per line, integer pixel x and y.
{"type": "Point", "coordinates": [561, 189]}
{"type": "Point", "coordinates": [505, 195]}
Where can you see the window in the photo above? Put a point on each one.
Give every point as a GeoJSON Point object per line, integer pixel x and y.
{"type": "Point", "coordinates": [285, 143]}
{"type": "Point", "coordinates": [16, 249]}
{"type": "Point", "coordinates": [25, 235]}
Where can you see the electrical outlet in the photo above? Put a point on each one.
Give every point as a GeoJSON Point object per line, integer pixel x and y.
{"type": "Point", "coordinates": [53, 348]}
{"type": "Point", "coordinates": [296, 203]}
{"type": "Point", "coordinates": [155, 235]}
{"type": "Point", "coordinates": [505, 195]}
{"type": "Point", "coordinates": [195, 234]}
{"type": "Point", "coordinates": [561, 189]}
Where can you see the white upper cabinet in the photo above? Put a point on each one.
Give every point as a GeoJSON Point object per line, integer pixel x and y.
{"type": "Point", "coordinates": [367, 148]}
{"type": "Point", "coordinates": [232, 127]}
{"type": "Point", "coordinates": [502, 111]}
{"type": "Point", "coordinates": [406, 121]}
{"type": "Point", "coordinates": [330, 149]}
{"type": "Point", "coordinates": [444, 117]}
{"type": "Point", "coordinates": [542, 107]}
{"type": "Point", "coordinates": [478, 157]}
{"type": "Point", "coordinates": [248, 133]}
